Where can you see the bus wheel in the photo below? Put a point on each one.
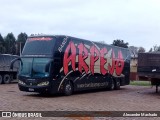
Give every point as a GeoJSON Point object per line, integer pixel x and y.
{"type": "Point", "coordinates": [117, 85]}
{"type": "Point", "coordinates": [68, 88]}
{"type": "Point", "coordinates": [1, 79]}
{"type": "Point", "coordinates": [111, 84]}
{"type": "Point", "coordinates": [7, 79]}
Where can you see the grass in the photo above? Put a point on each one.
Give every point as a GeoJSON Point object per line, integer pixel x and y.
{"type": "Point", "coordinates": [141, 83]}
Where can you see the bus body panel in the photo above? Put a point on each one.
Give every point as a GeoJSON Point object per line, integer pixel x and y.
{"type": "Point", "coordinates": [87, 64]}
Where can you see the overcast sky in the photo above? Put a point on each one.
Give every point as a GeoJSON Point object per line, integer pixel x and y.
{"type": "Point", "coordinates": [135, 21]}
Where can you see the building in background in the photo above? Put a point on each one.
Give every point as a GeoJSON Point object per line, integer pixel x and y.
{"type": "Point", "coordinates": [133, 67]}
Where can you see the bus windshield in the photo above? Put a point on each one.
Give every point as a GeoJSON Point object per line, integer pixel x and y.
{"type": "Point", "coordinates": [34, 67]}
{"type": "Point", "coordinates": [39, 46]}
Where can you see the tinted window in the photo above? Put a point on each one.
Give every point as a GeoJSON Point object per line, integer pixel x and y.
{"type": "Point", "coordinates": [39, 46]}
{"type": "Point", "coordinates": [34, 67]}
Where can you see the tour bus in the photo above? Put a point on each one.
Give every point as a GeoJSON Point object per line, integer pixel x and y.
{"type": "Point", "coordinates": [64, 64]}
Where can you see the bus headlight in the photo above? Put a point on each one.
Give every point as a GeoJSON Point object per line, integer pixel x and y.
{"type": "Point", "coordinates": [43, 83]}
{"type": "Point", "coordinates": [21, 82]}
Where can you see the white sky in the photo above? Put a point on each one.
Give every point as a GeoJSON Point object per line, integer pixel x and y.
{"type": "Point", "coordinates": [135, 21]}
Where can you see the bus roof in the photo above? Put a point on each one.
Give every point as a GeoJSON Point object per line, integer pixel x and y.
{"type": "Point", "coordinates": [48, 35]}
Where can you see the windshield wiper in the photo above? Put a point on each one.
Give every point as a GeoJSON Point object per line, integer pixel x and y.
{"type": "Point", "coordinates": [25, 75]}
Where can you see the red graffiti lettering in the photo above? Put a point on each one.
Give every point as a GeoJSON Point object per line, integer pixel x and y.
{"type": "Point", "coordinates": [94, 57]}
{"type": "Point", "coordinates": [103, 61]}
{"type": "Point", "coordinates": [69, 56]}
{"type": "Point", "coordinates": [120, 63]}
{"type": "Point", "coordinates": [83, 54]}
{"type": "Point", "coordinates": [116, 66]}
{"type": "Point", "coordinates": [111, 67]}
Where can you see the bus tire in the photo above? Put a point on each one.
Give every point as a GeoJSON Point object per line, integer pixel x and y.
{"type": "Point", "coordinates": [117, 85]}
{"type": "Point", "coordinates": [1, 79]}
{"type": "Point", "coordinates": [7, 79]}
{"type": "Point", "coordinates": [111, 84]}
{"type": "Point", "coordinates": [68, 88]}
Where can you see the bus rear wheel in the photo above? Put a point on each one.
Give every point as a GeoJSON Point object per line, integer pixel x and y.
{"type": "Point", "coordinates": [111, 84]}
{"type": "Point", "coordinates": [117, 85]}
{"type": "Point", "coordinates": [68, 88]}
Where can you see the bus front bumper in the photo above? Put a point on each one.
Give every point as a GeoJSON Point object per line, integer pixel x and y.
{"type": "Point", "coordinates": [38, 89]}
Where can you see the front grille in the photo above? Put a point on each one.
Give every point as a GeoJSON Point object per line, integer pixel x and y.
{"type": "Point", "coordinates": [31, 83]}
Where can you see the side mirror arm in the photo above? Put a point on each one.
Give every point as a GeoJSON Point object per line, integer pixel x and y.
{"type": "Point", "coordinates": [13, 61]}
{"type": "Point", "coordinates": [47, 65]}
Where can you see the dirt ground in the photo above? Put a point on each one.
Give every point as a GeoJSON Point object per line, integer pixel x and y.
{"type": "Point", "coordinates": [128, 98]}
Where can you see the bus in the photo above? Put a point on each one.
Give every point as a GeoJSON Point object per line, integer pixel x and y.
{"type": "Point", "coordinates": [65, 64]}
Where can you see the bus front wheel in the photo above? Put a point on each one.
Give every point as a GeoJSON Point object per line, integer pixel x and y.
{"type": "Point", "coordinates": [68, 88]}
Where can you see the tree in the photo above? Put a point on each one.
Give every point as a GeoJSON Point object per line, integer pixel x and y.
{"type": "Point", "coordinates": [141, 49]}
{"type": "Point", "coordinates": [2, 47]}
{"type": "Point", "coordinates": [150, 50]}
{"type": "Point", "coordinates": [10, 44]}
{"type": "Point", "coordinates": [22, 37]}
{"type": "Point", "coordinates": [155, 48]}
{"type": "Point", "coordinates": [134, 51]}
{"type": "Point", "coordinates": [120, 43]}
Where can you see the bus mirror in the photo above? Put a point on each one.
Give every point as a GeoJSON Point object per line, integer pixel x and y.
{"type": "Point", "coordinates": [47, 66]}
{"type": "Point", "coordinates": [13, 61]}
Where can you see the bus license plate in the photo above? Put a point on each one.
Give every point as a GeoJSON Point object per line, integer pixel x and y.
{"type": "Point", "coordinates": [31, 89]}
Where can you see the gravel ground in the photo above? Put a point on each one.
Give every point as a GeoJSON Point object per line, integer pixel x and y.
{"type": "Point", "coordinates": [128, 98]}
